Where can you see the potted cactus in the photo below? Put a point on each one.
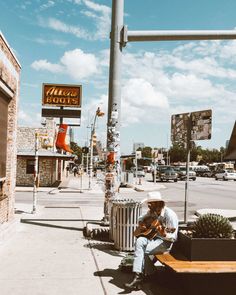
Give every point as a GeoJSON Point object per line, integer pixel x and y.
{"type": "Point", "coordinates": [211, 237]}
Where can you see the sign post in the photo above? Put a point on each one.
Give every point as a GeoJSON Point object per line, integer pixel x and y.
{"type": "Point", "coordinates": [138, 155]}
{"type": "Point", "coordinates": [185, 128]}
{"type": "Point", "coordinates": [36, 173]}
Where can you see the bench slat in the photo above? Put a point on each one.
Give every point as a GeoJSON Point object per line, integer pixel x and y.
{"type": "Point", "coordinates": [181, 265]}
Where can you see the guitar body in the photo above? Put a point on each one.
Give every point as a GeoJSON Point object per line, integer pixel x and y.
{"type": "Point", "coordinates": [150, 231]}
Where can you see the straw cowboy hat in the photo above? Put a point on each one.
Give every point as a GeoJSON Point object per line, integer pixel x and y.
{"type": "Point", "coordinates": [153, 197]}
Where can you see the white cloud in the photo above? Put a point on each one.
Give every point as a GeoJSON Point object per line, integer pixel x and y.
{"type": "Point", "coordinates": [51, 41]}
{"type": "Point", "coordinates": [191, 77]}
{"type": "Point", "coordinates": [100, 14]}
{"type": "Point", "coordinates": [47, 5]}
{"type": "Point", "coordinates": [43, 64]}
{"type": "Point", "coordinates": [60, 26]}
{"type": "Point", "coordinates": [75, 63]}
{"type": "Point", "coordinates": [79, 64]}
{"type": "Point", "coordinates": [140, 92]}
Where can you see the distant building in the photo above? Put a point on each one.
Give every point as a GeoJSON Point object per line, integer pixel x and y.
{"type": "Point", "coordinates": [9, 97]}
{"type": "Point", "coordinates": [227, 143]}
{"type": "Point", "coordinates": [230, 154]}
{"type": "Point", "coordinates": [71, 135]}
{"type": "Point", "coordinates": [137, 145]}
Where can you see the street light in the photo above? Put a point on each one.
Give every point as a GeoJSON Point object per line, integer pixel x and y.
{"type": "Point", "coordinates": [98, 113]}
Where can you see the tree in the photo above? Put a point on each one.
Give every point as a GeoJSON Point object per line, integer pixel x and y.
{"type": "Point", "coordinates": [197, 153]}
{"type": "Point", "coordinates": [77, 151]}
{"type": "Point", "coordinates": [146, 156]}
{"type": "Point", "coordinates": [177, 153]}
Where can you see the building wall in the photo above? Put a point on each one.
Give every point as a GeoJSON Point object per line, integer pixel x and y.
{"type": "Point", "coordinates": [26, 136]}
{"type": "Point", "coordinates": [9, 87]}
{"type": "Point", "coordinates": [26, 143]}
{"type": "Point", "coordinates": [47, 172]}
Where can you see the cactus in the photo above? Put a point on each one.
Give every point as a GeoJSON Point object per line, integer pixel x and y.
{"type": "Point", "coordinates": [212, 226]}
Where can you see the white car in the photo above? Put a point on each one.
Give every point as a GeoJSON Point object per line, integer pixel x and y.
{"type": "Point", "coordinates": [226, 175]}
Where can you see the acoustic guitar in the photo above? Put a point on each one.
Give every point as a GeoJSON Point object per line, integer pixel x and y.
{"type": "Point", "coordinates": [150, 229]}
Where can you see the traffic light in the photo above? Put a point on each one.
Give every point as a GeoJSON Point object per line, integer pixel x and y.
{"type": "Point", "coordinates": [94, 139]}
{"type": "Point", "coordinates": [85, 150]}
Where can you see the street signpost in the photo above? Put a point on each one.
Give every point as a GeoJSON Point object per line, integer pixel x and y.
{"type": "Point", "coordinates": [185, 128]}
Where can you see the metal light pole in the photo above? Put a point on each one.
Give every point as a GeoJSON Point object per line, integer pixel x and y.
{"type": "Point", "coordinates": [82, 172]}
{"type": "Point", "coordinates": [99, 113]}
{"type": "Point", "coordinates": [189, 127]}
{"type": "Point", "coordinates": [36, 174]}
{"type": "Point", "coordinates": [114, 105]}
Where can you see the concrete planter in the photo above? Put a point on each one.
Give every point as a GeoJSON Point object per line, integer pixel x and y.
{"type": "Point", "coordinates": [206, 249]}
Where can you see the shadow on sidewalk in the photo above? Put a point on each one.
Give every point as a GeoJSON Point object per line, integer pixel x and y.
{"type": "Point", "coordinates": [41, 222]}
{"type": "Point", "coordinates": [160, 283]}
{"type": "Point", "coordinates": [118, 278]}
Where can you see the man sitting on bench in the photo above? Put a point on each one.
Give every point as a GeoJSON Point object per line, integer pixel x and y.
{"type": "Point", "coordinates": [156, 232]}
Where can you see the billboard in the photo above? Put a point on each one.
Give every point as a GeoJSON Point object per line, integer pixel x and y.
{"type": "Point", "coordinates": [195, 126]}
{"type": "Point", "coordinates": [62, 95]}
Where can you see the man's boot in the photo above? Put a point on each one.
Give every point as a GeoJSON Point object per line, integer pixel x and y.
{"type": "Point", "coordinates": [136, 283]}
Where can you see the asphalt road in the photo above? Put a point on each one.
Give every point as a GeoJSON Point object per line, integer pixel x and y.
{"type": "Point", "coordinates": [203, 193]}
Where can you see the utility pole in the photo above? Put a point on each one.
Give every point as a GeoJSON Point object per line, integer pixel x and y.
{"type": "Point", "coordinates": [82, 172]}
{"type": "Point", "coordinates": [99, 113]}
{"type": "Point", "coordinates": [36, 173]}
{"type": "Point", "coordinates": [114, 106]}
{"type": "Point", "coordinates": [189, 128]}
{"type": "Point", "coordinates": [91, 156]}
{"type": "Point", "coordinates": [87, 162]}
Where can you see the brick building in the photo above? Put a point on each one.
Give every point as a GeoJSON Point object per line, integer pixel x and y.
{"type": "Point", "coordinates": [9, 95]}
{"type": "Point", "coordinates": [51, 164]}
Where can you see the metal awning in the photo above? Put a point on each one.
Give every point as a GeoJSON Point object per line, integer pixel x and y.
{"type": "Point", "coordinates": [44, 154]}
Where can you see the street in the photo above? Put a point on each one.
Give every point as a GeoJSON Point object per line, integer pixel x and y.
{"type": "Point", "coordinates": [203, 193]}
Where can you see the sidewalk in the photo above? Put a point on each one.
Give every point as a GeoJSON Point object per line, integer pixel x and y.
{"type": "Point", "coordinates": [48, 254]}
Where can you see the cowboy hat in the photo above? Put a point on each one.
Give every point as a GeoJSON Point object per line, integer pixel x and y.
{"type": "Point", "coordinates": [153, 197]}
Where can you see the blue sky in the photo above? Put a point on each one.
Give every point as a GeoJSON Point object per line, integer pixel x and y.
{"type": "Point", "coordinates": [67, 41]}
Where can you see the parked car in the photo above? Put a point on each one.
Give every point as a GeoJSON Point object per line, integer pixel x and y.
{"type": "Point", "coordinates": [182, 173]}
{"type": "Point", "coordinates": [204, 173]}
{"type": "Point", "coordinates": [159, 169]}
{"type": "Point", "coordinates": [165, 173]}
{"type": "Point", "coordinates": [226, 175]}
{"type": "Point", "coordinates": [168, 174]}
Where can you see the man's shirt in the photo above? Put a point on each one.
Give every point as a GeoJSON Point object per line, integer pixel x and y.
{"type": "Point", "coordinates": [168, 219]}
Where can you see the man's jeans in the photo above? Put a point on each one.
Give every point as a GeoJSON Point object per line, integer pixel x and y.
{"type": "Point", "coordinates": [144, 248]}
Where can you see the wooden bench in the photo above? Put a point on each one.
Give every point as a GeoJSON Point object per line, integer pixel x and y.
{"type": "Point", "coordinates": [179, 264]}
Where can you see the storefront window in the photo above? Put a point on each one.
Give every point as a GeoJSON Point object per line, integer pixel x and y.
{"type": "Point", "coordinates": [30, 166]}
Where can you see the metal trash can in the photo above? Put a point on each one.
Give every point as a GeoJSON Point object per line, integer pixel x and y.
{"type": "Point", "coordinates": [123, 222]}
